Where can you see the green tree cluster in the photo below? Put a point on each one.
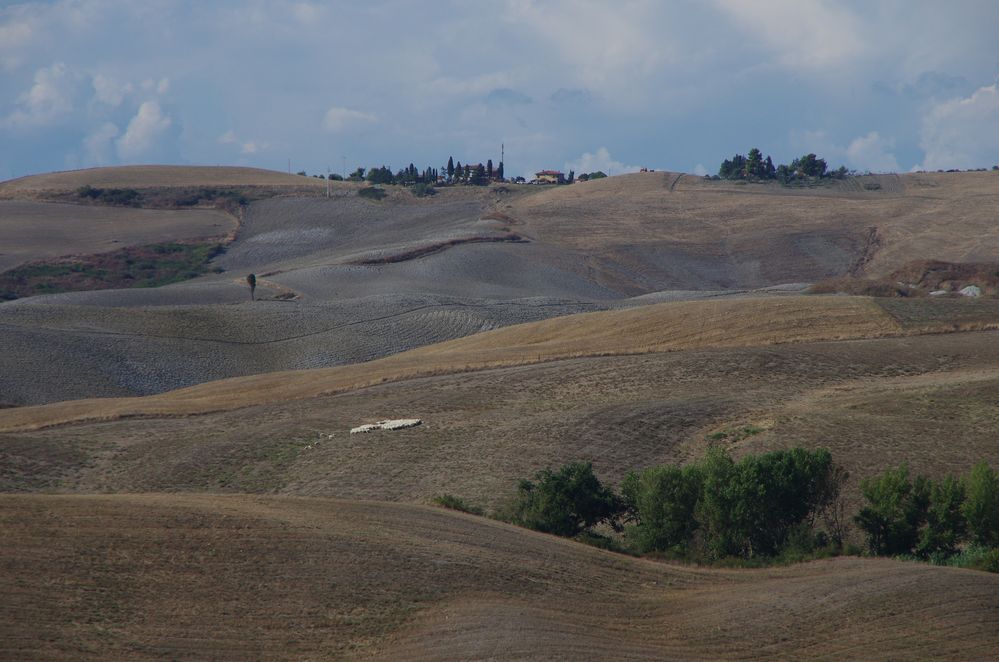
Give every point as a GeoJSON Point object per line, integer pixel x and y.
{"type": "Point", "coordinates": [712, 509]}
{"type": "Point", "coordinates": [564, 502]}
{"type": "Point", "coordinates": [755, 167]}
{"type": "Point", "coordinates": [929, 519]}
{"type": "Point", "coordinates": [718, 507]}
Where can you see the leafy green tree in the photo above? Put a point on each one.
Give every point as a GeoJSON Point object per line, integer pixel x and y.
{"type": "Point", "coordinates": [382, 175]}
{"type": "Point", "coordinates": [769, 172]}
{"type": "Point", "coordinates": [809, 165]}
{"type": "Point", "coordinates": [564, 502]}
{"type": "Point", "coordinates": [572, 177]}
{"type": "Point", "coordinates": [724, 533]}
{"type": "Point", "coordinates": [734, 168]}
{"type": "Point", "coordinates": [357, 175]}
{"type": "Point", "coordinates": [895, 511]}
{"type": "Point", "coordinates": [251, 280]}
{"type": "Point", "coordinates": [752, 507]}
{"type": "Point", "coordinates": [981, 505]}
{"type": "Point", "coordinates": [662, 500]}
{"type": "Point", "coordinates": [754, 164]}
{"type": "Point", "coordinates": [945, 524]}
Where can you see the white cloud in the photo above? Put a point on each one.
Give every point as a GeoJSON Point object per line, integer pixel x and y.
{"type": "Point", "coordinates": [608, 47]}
{"type": "Point", "coordinates": [962, 133]}
{"type": "Point", "coordinates": [98, 144]}
{"type": "Point", "coordinates": [13, 37]}
{"type": "Point", "coordinates": [250, 148]}
{"type": "Point", "coordinates": [110, 91]}
{"type": "Point", "coordinates": [700, 170]}
{"type": "Point", "coordinates": [228, 138]}
{"type": "Point", "coordinates": [805, 34]}
{"type": "Point", "coordinates": [601, 160]}
{"type": "Point", "coordinates": [337, 118]}
{"type": "Point", "coordinates": [144, 131]}
{"type": "Point", "coordinates": [49, 99]}
{"type": "Point", "coordinates": [872, 152]}
{"type": "Point", "coordinates": [161, 86]}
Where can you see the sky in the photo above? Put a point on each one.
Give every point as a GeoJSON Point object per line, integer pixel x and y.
{"type": "Point", "coordinates": [888, 85]}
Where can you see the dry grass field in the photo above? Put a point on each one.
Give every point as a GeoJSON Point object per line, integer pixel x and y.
{"type": "Point", "coordinates": [212, 577]}
{"type": "Point", "coordinates": [657, 328]}
{"type": "Point", "coordinates": [152, 176]}
{"type": "Point", "coordinates": [238, 519]}
{"type": "Point", "coordinates": [664, 230]}
{"type": "Point", "coordinates": [31, 231]}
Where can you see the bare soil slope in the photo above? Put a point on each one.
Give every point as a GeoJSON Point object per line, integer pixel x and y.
{"type": "Point", "coordinates": [662, 327]}
{"type": "Point", "coordinates": [234, 578]}
{"type": "Point", "coordinates": [656, 231]}
{"type": "Point", "coordinates": [350, 263]}
{"type": "Point", "coordinates": [147, 176]}
{"type": "Point", "coordinates": [874, 402]}
{"type": "Point", "coordinates": [32, 231]}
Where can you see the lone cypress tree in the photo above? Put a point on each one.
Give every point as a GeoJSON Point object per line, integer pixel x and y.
{"type": "Point", "coordinates": [251, 280]}
{"type": "Point", "coordinates": [450, 167]}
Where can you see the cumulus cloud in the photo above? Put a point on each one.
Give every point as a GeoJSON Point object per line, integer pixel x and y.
{"type": "Point", "coordinates": [962, 133]}
{"type": "Point", "coordinates": [338, 118]}
{"type": "Point", "coordinates": [873, 153]}
{"type": "Point", "coordinates": [48, 100]}
{"type": "Point", "coordinates": [144, 131]}
{"type": "Point", "coordinates": [804, 34]}
{"type": "Point", "coordinates": [98, 145]}
{"type": "Point", "coordinates": [600, 160]}
{"type": "Point", "coordinates": [700, 170]}
{"type": "Point", "coordinates": [13, 37]}
{"type": "Point", "coordinates": [608, 47]}
{"type": "Point", "coordinates": [109, 91]}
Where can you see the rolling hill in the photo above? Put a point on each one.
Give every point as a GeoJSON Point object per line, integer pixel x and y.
{"type": "Point", "coordinates": [227, 513]}
{"type": "Point", "coordinates": [235, 577]}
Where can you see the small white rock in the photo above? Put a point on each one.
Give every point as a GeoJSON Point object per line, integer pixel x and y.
{"type": "Point", "coordinates": [971, 291]}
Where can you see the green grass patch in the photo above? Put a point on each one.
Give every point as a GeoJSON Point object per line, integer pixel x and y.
{"type": "Point", "coordinates": [137, 266]}
{"type": "Point", "coordinates": [452, 502]}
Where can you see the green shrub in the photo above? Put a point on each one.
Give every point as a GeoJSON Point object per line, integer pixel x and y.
{"type": "Point", "coordinates": [456, 503]}
{"type": "Point", "coordinates": [945, 525]}
{"type": "Point", "coordinates": [981, 505]}
{"type": "Point", "coordinates": [423, 190]}
{"type": "Point", "coordinates": [751, 508]}
{"type": "Point", "coordinates": [896, 509]}
{"type": "Point", "coordinates": [564, 502]}
{"type": "Point", "coordinates": [372, 193]}
{"type": "Point", "coordinates": [662, 501]}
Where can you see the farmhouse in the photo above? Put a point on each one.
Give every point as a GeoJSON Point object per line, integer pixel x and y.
{"type": "Point", "coordinates": [549, 177]}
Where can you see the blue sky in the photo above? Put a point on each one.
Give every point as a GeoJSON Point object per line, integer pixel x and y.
{"type": "Point", "coordinates": [891, 85]}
